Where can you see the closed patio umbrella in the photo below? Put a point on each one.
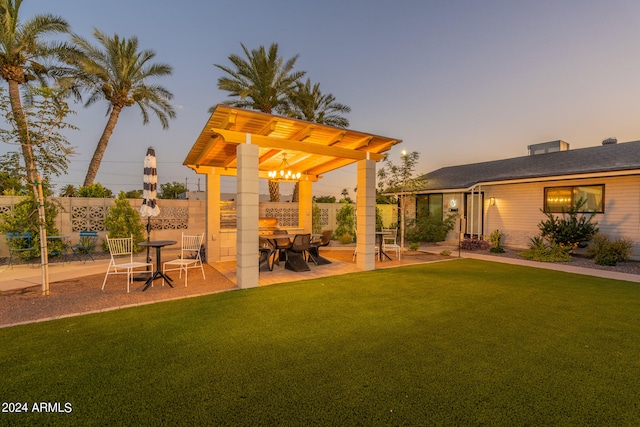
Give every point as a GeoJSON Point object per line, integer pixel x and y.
{"type": "Point", "coordinates": [149, 206]}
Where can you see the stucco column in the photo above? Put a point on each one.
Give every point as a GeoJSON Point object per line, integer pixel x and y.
{"type": "Point", "coordinates": [305, 206]}
{"type": "Point", "coordinates": [212, 229]}
{"type": "Point", "coordinates": [366, 215]}
{"type": "Point", "coordinates": [247, 208]}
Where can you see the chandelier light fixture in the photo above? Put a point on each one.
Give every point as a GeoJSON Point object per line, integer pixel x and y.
{"type": "Point", "coordinates": [284, 173]}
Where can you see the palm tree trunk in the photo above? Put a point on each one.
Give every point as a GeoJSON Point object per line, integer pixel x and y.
{"type": "Point", "coordinates": [274, 191]}
{"type": "Point", "coordinates": [32, 175]}
{"type": "Point", "coordinates": [94, 165]}
{"type": "Point", "coordinates": [296, 192]}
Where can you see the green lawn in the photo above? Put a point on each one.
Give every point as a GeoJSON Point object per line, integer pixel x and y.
{"type": "Point", "coordinates": [464, 342]}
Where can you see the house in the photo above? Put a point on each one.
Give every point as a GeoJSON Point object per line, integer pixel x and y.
{"type": "Point", "coordinates": [510, 195]}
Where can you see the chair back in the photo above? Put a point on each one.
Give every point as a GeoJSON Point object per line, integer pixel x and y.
{"type": "Point", "coordinates": [191, 246]}
{"type": "Point", "coordinates": [120, 246]}
{"type": "Point", "coordinates": [282, 243]}
{"type": "Point", "coordinates": [88, 239]}
{"type": "Point", "coordinates": [389, 235]}
{"type": "Point", "coordinates": [301, 242]}
{"type": "Point", "coordinates": [19, 235]}
{"type": "Point", "coordinates": [326, 237]}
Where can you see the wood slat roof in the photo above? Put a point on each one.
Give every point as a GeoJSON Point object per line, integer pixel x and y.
{"type": "Point", "coordinates": [310, 148]}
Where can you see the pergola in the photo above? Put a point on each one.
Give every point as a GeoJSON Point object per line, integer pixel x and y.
{"type": "Point", "coordinates": [248, 144]}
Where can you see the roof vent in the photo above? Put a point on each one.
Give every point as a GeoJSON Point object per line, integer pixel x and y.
{"type": "Point", "coordinates": [610, 141]}
{"type": "Point", "coordinates": [548, 147]}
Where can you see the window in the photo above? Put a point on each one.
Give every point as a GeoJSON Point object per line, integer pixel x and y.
{"type": "Point", "coordinates": [560, 199]}
{"type": "Point", "coordinates": [429, 205]}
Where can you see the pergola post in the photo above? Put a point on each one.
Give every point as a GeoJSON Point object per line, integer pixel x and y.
{"type": "Point", "coordinates": [366, 215]}
{"type": "Point", "coordinates": [248, 213]}
{"type": "Point", "coordinates": [305, 206]}
{"type": "Point", "coordinates": [212, 237]}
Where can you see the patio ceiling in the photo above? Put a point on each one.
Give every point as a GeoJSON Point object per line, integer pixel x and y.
{"type": "Point", "coordinates": [310, 148]}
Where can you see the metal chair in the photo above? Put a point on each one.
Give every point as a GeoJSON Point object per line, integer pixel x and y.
{"type": "Point", "coordinates": [389, 241]}
{"type": "Point", "coordinates": [121, 249]}
{"type": "Point", "coordinates": [86, 245]}
{"type": "Point", "coordinates": [189, 257]}
{"type": "Point", "coordinates": [19, 242]}
{"type": "Point", "coordinates": [268, 254]}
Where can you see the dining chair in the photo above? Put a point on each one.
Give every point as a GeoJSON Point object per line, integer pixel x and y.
{"type": "Point", "coordinates": [268, 254]}
{"type": "Point", "coordinates": [389, 242]}
{"type": "Point", "coordinates": [282, 245]}
{"type": "Point", "coordinates": [296, 254]}
{"type": "Point", "coordinates": [189, 257]}
{"type": "Point", "coordinates": [314, 248]}
{"type": "Point", "coordinates": [121, 262]}
{"type": "Point", "coordinates": [19, 243]}
{"type": "Point", "coordinates": [85, 246]}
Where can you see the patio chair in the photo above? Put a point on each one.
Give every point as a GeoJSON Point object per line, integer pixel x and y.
{"type": "Point", "coordinates": [389, 241]}
{"type": "Point", "coordinates": [282, 245]}
{"type": "Point", "coordinates": [19, 242]}
{"type": "Point", "coordinates": [85, 246]}
{"type": "Point", "coordinates": [121, 251]}
{"type": "Point", "coordinates": [189, 257]}
{"type": "Point", "coordinates": [314, 248]}
{"type": "Point", "coordinates": [268, 253]}
{"type": "Point", "coordinates": [296, 254]}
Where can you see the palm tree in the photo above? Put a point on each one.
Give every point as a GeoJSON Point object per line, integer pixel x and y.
{"type": "Point", "coordinates": [117, 72]}
{"type": "Point", "coordinates": [261, 81]}
{"type": "Point", "coordinates": [308, 103]}
{"type": "Point", "coordinates": [23, 48]}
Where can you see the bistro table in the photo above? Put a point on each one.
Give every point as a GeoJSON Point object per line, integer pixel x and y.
{"type": "Point", "coordinates": [158, 244]}
{"type": "Point", "coordinates": [379, 241]}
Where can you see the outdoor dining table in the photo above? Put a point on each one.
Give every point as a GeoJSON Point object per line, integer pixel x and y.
{"type": "Point", "coordinates": [379, 242]}
{"type": "Point", "coordinates": [158, 244]}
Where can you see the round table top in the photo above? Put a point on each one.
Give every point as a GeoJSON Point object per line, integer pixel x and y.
{"type": "Point", "coordinates": [158, 243]}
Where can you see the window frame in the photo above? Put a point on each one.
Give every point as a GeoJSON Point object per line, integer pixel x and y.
{"type": "Point", "coordinates": [573, 190]}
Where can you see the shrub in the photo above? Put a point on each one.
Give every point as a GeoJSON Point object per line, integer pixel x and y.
{"type": "Point", "coordinates": [345, 238]}
{"type": "Point", "coordinates": [543, 252]}
{"type": "Point", "coordinates": [445, 252]}
{"type": "Point", "coordinates": [573, 229]}
{"type": "Point", "coordinates": [94, 190]}
{"type": "Point", "coordinates": [496, 241]}
{"type": "Point", "coordinates": [346, 221]}
{"type": "Point", "coordinates": [124, 221]}
{"type": "Point", "coordinates": [605, 251]}
{"type": "Point", "coordinates": [414, 246]}
{"type": "Point", "coordinates": [474, 244]}
{"type": "Point", "coordinates": [430, 229]}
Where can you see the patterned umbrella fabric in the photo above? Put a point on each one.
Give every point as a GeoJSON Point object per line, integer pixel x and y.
{"type": "Point", "coordinates": [149, 207]}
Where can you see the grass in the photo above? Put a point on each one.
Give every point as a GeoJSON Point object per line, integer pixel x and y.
{"type": "Point", "coordinates": [459, 342]}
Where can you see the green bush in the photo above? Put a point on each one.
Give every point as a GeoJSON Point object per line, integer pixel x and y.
{"type": "Point", "coordinates": [430, 229]}
{"type": "Point", "coordinates": [124, 221]}
{"type": "Point", "coordinates": [539, 250]}
{"type": "Point", "coordinates": [414, 246]}
{"type": "Point", "coordinates": [573, 229]}
{"type": "Point", "coordinates": [605, 251]}
{"type": "Point", "coordinates": [346, 221]}
{"type": "Point", "coordinates": [94, 190]}
{"type": "Point", "coordinates": [345, 238]}
{"type": "Point", "coordinates": [496, 241]}
{"type": "Point", "coordinates": [316, 219]}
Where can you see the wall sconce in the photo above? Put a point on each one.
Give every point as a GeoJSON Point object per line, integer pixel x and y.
{"type": "Point", "coordinates": [492, 201]}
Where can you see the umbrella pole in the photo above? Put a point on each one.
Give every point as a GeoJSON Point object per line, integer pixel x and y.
{"type": "Point", "coordinates": [148, 239]}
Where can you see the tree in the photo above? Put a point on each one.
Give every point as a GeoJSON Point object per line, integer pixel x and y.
{"type": "Point", "coordinates": [324, 199]}
{"type": "Point", "coordinates": [171, 190]}
{"type": "Point", "coordinates": [94, 190]}
{"type": "Point", "coordinates": [260, 81]}
{"type": "Point", "coordinates": [308, 103]}
{"type": "Point", "coordinates": [24, 44]}
{"type": "Point", "coordinates": [399, 179]}
{"type": "Point", "coordinates": [119, 73]}
{"type": "Point", "coordinates": [11, 184]}
{"type": "Point", "coordinates": [68, 190]}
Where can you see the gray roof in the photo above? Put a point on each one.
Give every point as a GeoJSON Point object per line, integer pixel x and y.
{"type": "Point", "coordinates": [603, 158]}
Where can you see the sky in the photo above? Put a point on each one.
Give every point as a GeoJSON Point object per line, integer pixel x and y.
{"type": "Point", "coordinates": [457, 81]}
